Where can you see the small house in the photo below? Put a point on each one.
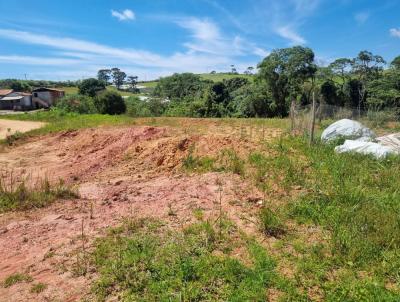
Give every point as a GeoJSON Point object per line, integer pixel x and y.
{"type": "Point", "coordinates": [10, 100]}
{"type": "Point", "coordinates": [46, 97]}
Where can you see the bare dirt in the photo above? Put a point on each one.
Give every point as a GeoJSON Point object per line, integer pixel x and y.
{"type": "Point", "coordinates": [9, 127]}
{"type": "Point", "coordinates": [120, 173]}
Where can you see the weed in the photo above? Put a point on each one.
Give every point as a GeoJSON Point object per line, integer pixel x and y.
{"type": "Point", "coordinates": [15, 194]}
{"type": "Point", "coordinates": [16, 278]}
{"type": "Point", "coordinates": [38, 288]}
{"type": "Point", "coordinates": [271, 224]}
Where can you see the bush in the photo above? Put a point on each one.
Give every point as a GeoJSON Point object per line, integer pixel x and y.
{"type": "Point", "coordinates": [110, 102]}
{"type": "Point", "coordinates": [91, 87]}
{"type": "Point", "coordinates": [136, 108]}
{"type": "Point", "coordinates": [77, 103]}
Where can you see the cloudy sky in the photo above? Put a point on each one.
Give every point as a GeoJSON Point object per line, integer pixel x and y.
{"type": "Point", "coordinates": [61, 40]}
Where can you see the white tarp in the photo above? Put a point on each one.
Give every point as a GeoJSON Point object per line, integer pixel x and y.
{"type": "Point", "coordinates": [375, 149]}
{"type": "Point", "coordinates": [348, 129]}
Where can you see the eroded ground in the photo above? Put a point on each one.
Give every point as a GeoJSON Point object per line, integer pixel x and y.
{"type": "Point", "coordinates": [121, 173]}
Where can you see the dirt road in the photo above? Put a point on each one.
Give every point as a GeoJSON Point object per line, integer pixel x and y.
{"type": "Point", "coordinates": [8, 127]}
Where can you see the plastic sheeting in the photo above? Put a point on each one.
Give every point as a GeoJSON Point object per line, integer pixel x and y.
{"type": "Point", "coordinates": [375, 149]}
{"type": "Point", "coordinates": [348, 129]}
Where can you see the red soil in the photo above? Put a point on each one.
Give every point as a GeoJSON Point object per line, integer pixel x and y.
{"type": "Point", "coordinates": [120, 172]}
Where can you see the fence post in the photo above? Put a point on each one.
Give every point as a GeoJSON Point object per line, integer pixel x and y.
{"type": "Point", "coordinates": [292, 116]}
{"type": "Point", "coordinates": [312, 126]}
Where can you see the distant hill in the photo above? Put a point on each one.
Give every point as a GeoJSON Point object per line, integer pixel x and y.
{"type": "Point", "coordinates": [217, 77]}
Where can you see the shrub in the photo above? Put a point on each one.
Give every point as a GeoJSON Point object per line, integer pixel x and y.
{"type": "Point", "coordinates": [78, 103]}
{"type": "Point", "coordinates": [136, 107]}
{"type": "Point", "coordinates": [110, 102]}
{"type": "Point", "coordinates": [91, 87]}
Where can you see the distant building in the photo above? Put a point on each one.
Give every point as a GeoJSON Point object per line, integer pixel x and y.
{"type": "Point", "coordinates": [46, 97]}
{"type": "Point", "coordinates": [40, 98]}
{"type": "Point", "coordinates": [11, 100]}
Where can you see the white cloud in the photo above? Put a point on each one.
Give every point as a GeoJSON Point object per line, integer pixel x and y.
{"type": "Point", "coordinates": [124, 15]}
{"type": "Point", "coordinates": [361, 17]}
{"type": "Point", "coordinates": [261, 52]}
{"type": "Point", "coordinates": [288, 33]}
{"type": "Point", "coordinates": [14, 59]}
{"type": "Point", "coordinates": [395, 32]}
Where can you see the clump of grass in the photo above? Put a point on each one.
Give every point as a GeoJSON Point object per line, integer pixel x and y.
{"type": "Point", "coordinates": [15, 194]}
{"type": "Point", "coordinates": [16, 278]}
{"type": "Point", "coordinates": [12, 138]}
{"type": "Point", "coordinates": [271, 224]}
{"type": "Point", "coordinates": [38, 288]}
{"type": "Point", "coordinates": [149, 263]}
{"type": "Point", "coordinates": [230, 161]}
{"type": "Point", "coordinates": [193, 163]}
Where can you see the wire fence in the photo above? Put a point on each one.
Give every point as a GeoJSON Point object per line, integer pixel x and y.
{"type": "Point", "coordinates": [306, 119]}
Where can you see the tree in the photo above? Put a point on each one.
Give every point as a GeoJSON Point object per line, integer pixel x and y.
{"type": "Point", "coordinates": [91, 87]}
{"type": "Point", "coordinates": [132, 81]}
{"type": "Point", "coordinates": [284, 72]}
{"type": "Point", "coordinates": [110, 102]}
{"type": "Point", "coordinates": [78, 103]}
{"type": "Point", "coordinates": [180, 86]}
{"type": "Point", "coordinates": [341, 69]}
{"type": "Point", "coordinates": [367, 67]}
{"type": "Point", "coordinates": [396, 63]}
{"type": "Point", "coordinates": [20, 86]}
{"type": "Point", "coordinates": [104, 75]}
{"type": "Point", "coordinates": [249, 70]}
{"type": "Point", "coordinates": [118, 77]}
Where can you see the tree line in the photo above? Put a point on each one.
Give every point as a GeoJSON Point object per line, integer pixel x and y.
{"type": "Point", "coordinates": [286, 75]}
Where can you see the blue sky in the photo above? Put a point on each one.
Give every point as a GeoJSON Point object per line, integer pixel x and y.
{"type": "Point", "coordinates": [61, 40]}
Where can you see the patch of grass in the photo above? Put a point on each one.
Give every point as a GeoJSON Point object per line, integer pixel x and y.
{"type": "Point", "coordinates": [17, 195]}
{"type": "Point", "coordinates": [16, 278]}
{"type": "Point", "coordinates": [271, 224]}
{"type": "Point", "coordinates": [148, 264]}
{"type": "Point", "coordinates": [38, 288]}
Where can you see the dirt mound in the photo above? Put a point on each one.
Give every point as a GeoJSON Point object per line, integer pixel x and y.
{"type": "Point", "coordinates": [75, 155]}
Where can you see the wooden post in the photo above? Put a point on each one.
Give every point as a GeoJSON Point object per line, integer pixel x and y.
{"type": "Point", "coordinates": [292, 116]}
{"type": "Point", "coordinates": [312, 126]}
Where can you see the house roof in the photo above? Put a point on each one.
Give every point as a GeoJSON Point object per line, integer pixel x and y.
{"type": "Point", "coordinates": [5, 91]}
{"type": "Point", "coordinates": [11, 98]}
{"type": "Point", "coordinates": [46, 89]}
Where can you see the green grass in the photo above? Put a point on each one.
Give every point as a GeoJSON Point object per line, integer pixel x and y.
{"type": "Point", "coordinates": [18, 196]}
{"type": "Point", "coordinates": [74, 90]}
{"type": "Point", "coordinates": [144, 261]}
{"type": "Point", "coordinates": [58, 121]}
{"type": "Point", "coordinates": [218, 77]}
{"type": "Point", "coordinates": [353, 199]}
{"type": "Point", "coordinates": [38, 288]}
{"type": "Point", "coordinates": [16, 278]}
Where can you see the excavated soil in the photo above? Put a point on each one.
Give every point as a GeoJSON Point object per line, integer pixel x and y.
{"type": "Point", "coordinates": [120, 173]}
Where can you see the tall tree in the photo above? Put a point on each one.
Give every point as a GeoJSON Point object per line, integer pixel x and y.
{"type": "Point", "coordinates": [118, 77]}
{"type": "Point", "coordinates": [132, 81]}
{"type": "Point", "coordinates": [104, 75]}
{"type": "Point", "coordinates": [341, 69]}
{"type": "Point", "coordinates": [284, 71]}
{"type": "Point", "coordinates": [367, 67]}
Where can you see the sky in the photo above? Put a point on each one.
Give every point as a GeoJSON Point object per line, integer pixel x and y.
{"type": "Point", "coordinates": [70, 40]}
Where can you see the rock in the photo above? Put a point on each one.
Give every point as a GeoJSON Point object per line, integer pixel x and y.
{"type": "Point", "coordinates": [347, 129]}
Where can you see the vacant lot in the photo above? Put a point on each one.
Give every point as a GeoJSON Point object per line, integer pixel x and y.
{"type": "Point", "coordinates": [9, 127]}
{"type": "Point", "coordinates": [196, 209]}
